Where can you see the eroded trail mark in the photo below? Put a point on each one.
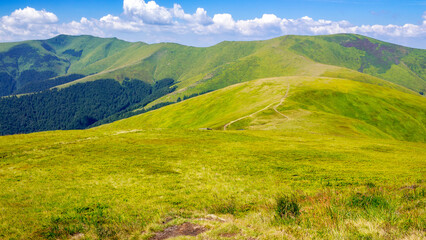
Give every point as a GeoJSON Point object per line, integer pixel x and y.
{"type": "Point", "coordinates": [281, 102]}
{"type": "Point", "coordinates": [186, 229]}
{"type": "Point", "coordinates": [261, 110]}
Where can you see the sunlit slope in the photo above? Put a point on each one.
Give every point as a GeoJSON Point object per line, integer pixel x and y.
{"type": "Point", "coordinates": [314, 105]}
{"type": "Point", "coordinates": [204, 69]}
{"type": "Point", "coordinates": [402, 65]}
{"type": "Point", "coordinates": [83, 51]}
{"type": "Point", "coordinates": [167, 60]}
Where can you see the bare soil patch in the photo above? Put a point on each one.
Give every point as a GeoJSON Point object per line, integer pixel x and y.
{"type": "Point", "coordinates": [186, 229]}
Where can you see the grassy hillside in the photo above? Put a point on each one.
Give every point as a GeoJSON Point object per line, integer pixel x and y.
{"type": "Point", "coordinates": [330, 154]}
{"type": "Point", "coordinates": [314, 104]}
{"type": "Point", "coordinates": [205, 69]}
{"type": "Point", "coordinates": [64, 61]}
{"type": "Point", "coordinates": [132, 184]}
{"type": "Point", "coordinates": [36, 61]}
{"type": "Point", "coordinates": [387, 61]}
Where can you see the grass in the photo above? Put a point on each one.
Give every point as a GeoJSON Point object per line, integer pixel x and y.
{"type": "Point", "coordinates": [118, 184]}
{"type": "Point", "coordinates": [334, 169]}
{"type": "Point", "coordinates": [346, 163]}
{"type": "Point", "coordinates": [314, 105]}
{"type": "Point", "coordinates": [205, 69]}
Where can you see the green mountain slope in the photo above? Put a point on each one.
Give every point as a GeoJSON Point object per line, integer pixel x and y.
{"type": "Point", "coordinates": [301, 146]}
{"type": "Point", "coordinates": [36, 65]}
{"type": "Point", "coordinates": [220, 65]}
{"type": "Point", "coordinates": [314, 104]}
{"type": "Point", "coordinates": [136, 183]}
{"type": "Point", "coordinates": [200, 70]}
{"type": "Point", "coordinates": [36, 61]}
{"type": "Point", "coordinates": [401, 65]}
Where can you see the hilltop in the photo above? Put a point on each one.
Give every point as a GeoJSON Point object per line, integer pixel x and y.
{"type": "Point", "coordinates": [66, 61]}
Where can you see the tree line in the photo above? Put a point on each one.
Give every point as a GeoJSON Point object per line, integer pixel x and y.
{"type": "Point", "coordinates": [78, 106]}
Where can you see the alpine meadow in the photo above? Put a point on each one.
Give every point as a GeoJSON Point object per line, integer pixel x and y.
{"type": "Point", "coordinates": [295, 137]}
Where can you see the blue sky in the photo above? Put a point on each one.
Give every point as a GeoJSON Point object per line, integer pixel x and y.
{"type": "Point", "coordinates": [402, 21]}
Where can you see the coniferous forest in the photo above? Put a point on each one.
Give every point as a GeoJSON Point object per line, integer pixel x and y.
{"type": "Point", "coordinates": [77, 106]}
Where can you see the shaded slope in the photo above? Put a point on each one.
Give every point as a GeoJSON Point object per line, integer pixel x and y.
{"type": "Point", "coordinates": [36, 61]}
{"type": "Point", "coordinates": [322, 105]}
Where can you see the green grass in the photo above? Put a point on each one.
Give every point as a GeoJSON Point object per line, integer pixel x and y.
{"type": "Point", "coordinates": [199, 70]}
{"type": "Point", "coordinates": [118, 184]}
{"type": "Point", "coordinates": [397, 64]}
{"type": "Point", "coordinates": [205, 69]}
{"type": "Point", "coordinates": [315, 104]}
{"type": "Point", "coordinates": [347, 161]}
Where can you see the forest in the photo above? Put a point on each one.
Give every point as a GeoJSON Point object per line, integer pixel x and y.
{"type": "Point", "coordinates": [78, 106]}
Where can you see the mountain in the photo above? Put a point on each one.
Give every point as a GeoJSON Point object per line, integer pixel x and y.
{"type": "Point", "coordinates": [64, 62]}
{"type": "Point", "coordinates": [320, 105]}
{"type": "Point", "coordinates": [301, 157]}
{"type": "Point", "coordinates": [31, 62]}
{"type": "Point", "coordinates": [291, 138]}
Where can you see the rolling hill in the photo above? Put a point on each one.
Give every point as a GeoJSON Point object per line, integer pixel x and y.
{"type": "Point", "coordinates": [346, 156]}
{"type": "Point", "coordinates": [291, 138]}
{"type": "Point", "coordinates": [65, 61]}
{"type": "Point", "coordinates": [314, 104]}
{"type": "Point", "coordinates": [31, 62]}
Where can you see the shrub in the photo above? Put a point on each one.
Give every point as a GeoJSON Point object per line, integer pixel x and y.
{"type": "Point", "coordinates": [287, 207]}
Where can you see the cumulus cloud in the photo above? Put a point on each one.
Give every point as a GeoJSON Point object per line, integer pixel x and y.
{"type": "Point", "coordinates": [146, 19]}
{"type": "Point", "coordinates": [116, 23]}
{"type": "Point", "coordinates": [149, 12]}
{"type": "Point", "coordinates": [269, 23]}
{"type": "Point", "coordinates": [28, 22]}
{"type": "Point", "coordinates": [29, 15]}
{"type": "Point", "coordinates": [199, 17]}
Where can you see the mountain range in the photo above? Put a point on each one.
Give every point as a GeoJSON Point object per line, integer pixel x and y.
{"type": "Point", "coordinates": [56, 70]}
{"type": "Point", "coordinates": [296, 137]}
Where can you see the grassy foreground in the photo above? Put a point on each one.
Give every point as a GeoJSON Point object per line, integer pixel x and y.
{"type": "Point", "coordinates": [112, 184]}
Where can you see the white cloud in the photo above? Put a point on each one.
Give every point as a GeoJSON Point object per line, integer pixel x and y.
{"type": "Point", "coordinates": [113, 22]}
{"type": "Point", "coordinates": [84, 26]}
{"type": "Point", "coordinates": [269, 23]}
{"type": "Point", "coordinates": [199, 17]}
{"type": "Point", "coordinates": [222, 23]}
{"type": "Point", "coordinates": [149, 12]}
{"type": "Point", "coordinates": [147, 21]}
{"type": "Point", "coordinates": [28, 22]}
{"type": "Point", "coordinates": [29, 15]}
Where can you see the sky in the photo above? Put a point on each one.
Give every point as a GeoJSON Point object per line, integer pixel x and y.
{"type": "Point", "coordinates": [205, 23]}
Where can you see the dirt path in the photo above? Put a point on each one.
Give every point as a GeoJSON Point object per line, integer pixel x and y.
{"type": "Point", "coordinates": [261, 110]}
{"type": "Point", "coordinates": [281, 102]}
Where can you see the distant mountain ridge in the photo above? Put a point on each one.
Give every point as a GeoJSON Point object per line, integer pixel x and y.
{"type": "Point", "coordinates": [64, 61]}
{"type": "Point", "coordinates": [39, 60]}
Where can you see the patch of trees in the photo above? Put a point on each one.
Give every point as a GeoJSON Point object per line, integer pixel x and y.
{"type": "Point", "coordinates": [78, 106]}
{"type": "Point", "coordinates": [46, 84]}
{"type": "Point", "coordinates": [73, 53]}
{"type": "Point", "coordinates": [30, 76]}
{"type": "Point", "coordinates": [195, 95]}
{"type": "Point", "coordinates": [7, 84]}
